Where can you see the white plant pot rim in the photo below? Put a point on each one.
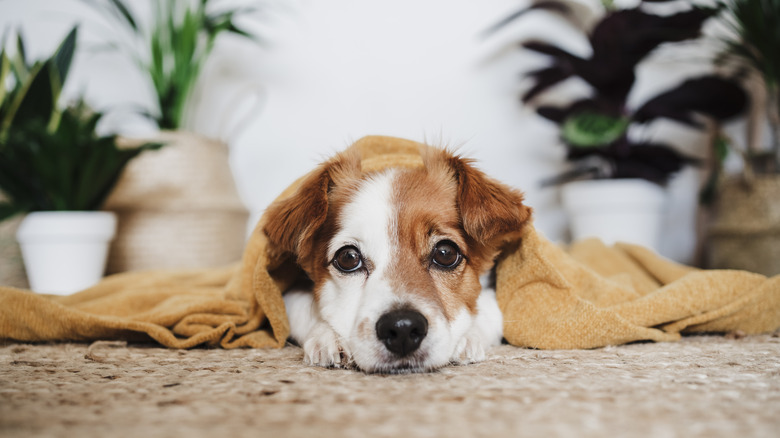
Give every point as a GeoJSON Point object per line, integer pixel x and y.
{"type": "Point", "coordinates": [579, 196]}
{"type": "Point", "coordinates": [66, 226]}
{"type": "Point", "coordinates": [616, 210]}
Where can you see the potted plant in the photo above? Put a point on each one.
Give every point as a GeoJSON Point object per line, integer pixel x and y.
{"type": "Point", "coordinates": [56, 168]}
{"type": "Point", "coordinates": [745, 233]}
{"type": "Point", "coordinates": [614, 187]}
{"type": "Point", "coordinates": [178, 207]}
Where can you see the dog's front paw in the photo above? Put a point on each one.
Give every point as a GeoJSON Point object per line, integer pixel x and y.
{"type": "Point", "coordinates": [470, 349]}
{"type": "Point", "coordinates": [324, 348]}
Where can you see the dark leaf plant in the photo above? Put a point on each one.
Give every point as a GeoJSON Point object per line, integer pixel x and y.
{"type": "Point", "coordinates": [50, 158]}
{"type": "Point", "coordinates": [172, 50]}
{"type": "Point", "coordinates": [752, 46]}
{"type": "Point", "coordinates": [595, 129]}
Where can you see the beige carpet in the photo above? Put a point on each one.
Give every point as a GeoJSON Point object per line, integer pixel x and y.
{"type": "Point", "coordinates": [702, 386]}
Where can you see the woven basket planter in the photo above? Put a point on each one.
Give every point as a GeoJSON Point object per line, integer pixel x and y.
{"type": "Point", "coordinates": [746, 231]}
{"type": "Point", "coordinates": [12, 271]}
{"type": "Point", "coordinates": [178, 207]}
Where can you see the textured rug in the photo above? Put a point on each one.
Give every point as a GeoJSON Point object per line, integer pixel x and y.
{"type": "Point", "coordinates": [702, 386]}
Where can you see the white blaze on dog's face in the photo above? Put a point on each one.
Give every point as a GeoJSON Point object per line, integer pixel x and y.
{"type": "Point", "coordinates": [398, 253]}
{"type": "Point", "coordinates": [397, 257]}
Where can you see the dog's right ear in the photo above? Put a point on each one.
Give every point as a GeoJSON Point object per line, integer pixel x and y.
{"type": "Point", "coordinates": [292, 222]}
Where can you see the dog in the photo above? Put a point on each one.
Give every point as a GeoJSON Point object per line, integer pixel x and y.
{"type": "Point", "coordinates": [396, 260]}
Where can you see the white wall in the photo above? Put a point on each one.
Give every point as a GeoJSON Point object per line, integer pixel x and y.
{"type": "Point", "coordinates": [331, 72]}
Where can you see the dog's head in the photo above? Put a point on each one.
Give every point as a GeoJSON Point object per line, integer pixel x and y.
{"type": "Point", "coordinates": [396, 255]}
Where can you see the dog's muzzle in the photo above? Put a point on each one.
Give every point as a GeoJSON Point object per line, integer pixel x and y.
{"type": "Point", "coordinates": [402, 331]}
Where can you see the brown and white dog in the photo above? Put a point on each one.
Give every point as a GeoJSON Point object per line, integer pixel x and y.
{"type": "Point", "coordinates": [395, 258]}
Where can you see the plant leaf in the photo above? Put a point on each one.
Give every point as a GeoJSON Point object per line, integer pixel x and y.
{"type": "Point", "coordinates": [712, 96]}
{"type": "Point", "coordinates": [575, 13]}
{"type": "Point", "coordinates": [755, 36]}
{"type": "Point", "coordinates": [655, 162]}
{"type": "Point", "coordinates": [593, 167]}
{"type": "Point", "coordinates": [125, 13]}
{"type": "Point", "coordinates": [64, 55]}
{"type": "Point", "coordinates": [19, 66]}
{"type": "Point", "coordinates": [544, 79]}
{"type": "Point", "coordinates": [559, 114]}
{"type": "Point", "coordinates": [21, 52]}
{"type": "Point", "coordinates": [5, 68]}
{"type": "Point", "coordinates": [588, 129]}
{"type": "Point", "coordinates": [563, 66]}
{"type": "Point", "coordinates": [553, 113]}
{"type": "Point", "coordinates": [624, 38]}
{"type": "Point", "coordinates": [709, 190]}
{"type": "Point", "coordinates": [35, 99]}
{"type": "Point", "coordinates": [548, 49]}
{"type": "Point", "coordinates": [232, 28]}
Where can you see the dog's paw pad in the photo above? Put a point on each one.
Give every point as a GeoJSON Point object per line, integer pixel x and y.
{"type": "Point", "coordinates": [322, 348]}
{"type": "Point", "coordinates": [470, 350]}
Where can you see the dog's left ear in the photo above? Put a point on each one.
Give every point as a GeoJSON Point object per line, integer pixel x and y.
{"type": "Point", "coordinates": [490, 211]}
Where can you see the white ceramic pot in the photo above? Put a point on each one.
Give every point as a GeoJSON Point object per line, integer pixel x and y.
{"type": "Point", "coordinates": [615, 210]}
{"type": "Point", "coordinates": [65, 251]}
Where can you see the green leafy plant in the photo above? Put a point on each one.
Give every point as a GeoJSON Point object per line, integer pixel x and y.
{"type": "Point", "coordinates": [753, 46]}
{"type": "Point", "coordinates": [52, 159]}
{"type": "Point", "coordinates": [30, 91]}
{"type": "Point", "coordinates": [174, 48]}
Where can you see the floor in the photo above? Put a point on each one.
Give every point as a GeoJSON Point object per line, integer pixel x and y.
{"type": "Point", "coordinates": [702, 386]}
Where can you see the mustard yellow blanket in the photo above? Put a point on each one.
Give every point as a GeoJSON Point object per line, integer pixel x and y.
{"type": "Point", "coordinates": [584, 297]}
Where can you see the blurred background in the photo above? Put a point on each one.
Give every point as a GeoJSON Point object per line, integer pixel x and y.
{"type": "Point", "coordinates": [324, 74]}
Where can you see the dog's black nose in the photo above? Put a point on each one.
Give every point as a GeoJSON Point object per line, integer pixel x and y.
{"type": "Point", "coordinates": [402, 331]}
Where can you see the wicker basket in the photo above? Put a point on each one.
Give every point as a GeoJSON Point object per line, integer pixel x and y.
{"type": "Point", "coordinates": [178, 207]}
{"type": "Point", "coordinates": [746, 232]}
{"type": "Point", "coordinates": [12, 271]}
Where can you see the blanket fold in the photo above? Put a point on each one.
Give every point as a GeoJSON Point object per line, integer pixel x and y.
{"type": "Point", "coordinates": [585, 296]}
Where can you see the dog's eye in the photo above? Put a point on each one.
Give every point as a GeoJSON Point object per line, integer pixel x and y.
{"type": "Point", "coordinates": [446, 255]}
{"type": "Point", "coordinates": [348, 259]}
